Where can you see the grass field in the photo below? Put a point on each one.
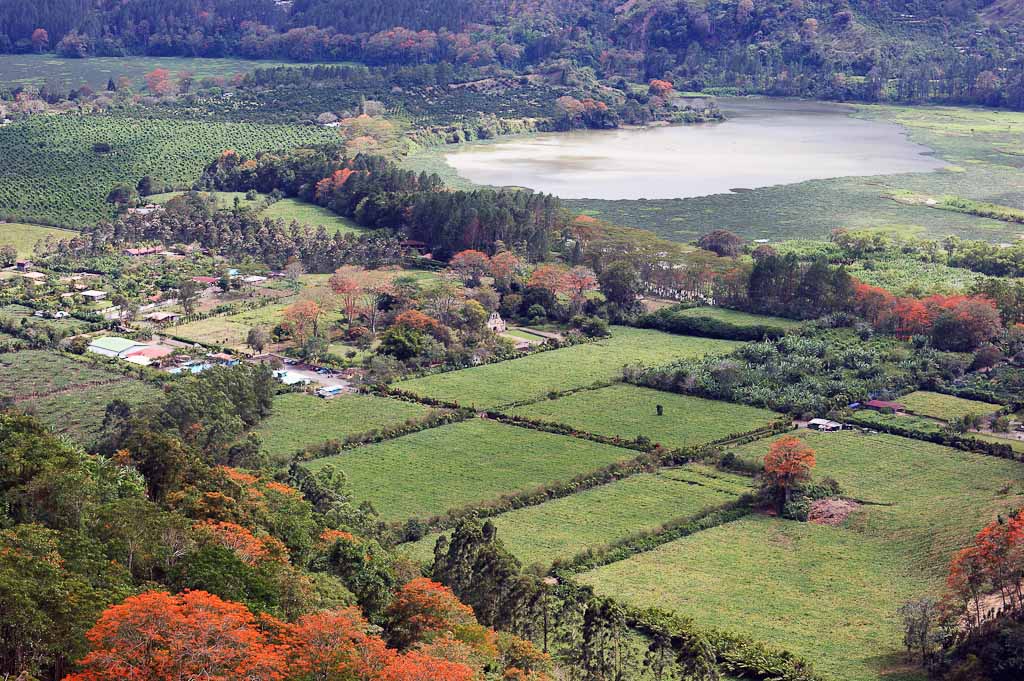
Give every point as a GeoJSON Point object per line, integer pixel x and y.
{"type": "Point", "coordinates": [35, 69]}
{"type": "Point", "coordinates": [831, 594]}
{"type": "Point", "coordinates": [738, 318]}
{"type": "Point", "coordinates": [53, 173]}
{"type": "Point", "coordinates": [69, 395]}
{"type": "Point", "coordinates": [300, 420]}
{"type": "Point", "coordinates": [452, 466]}
{"type": "Point", "coordinates": [230, 331]}
{"type": "Point", "coordinates": [1016, 445]}
{"type": "Point", "coordinates": [827, 594]}
{"type": "Point", "coordinates": [18, 312]}
{"type": "Point", "coordinates": [533, 377]}
{"type": "Point", "coordinates": [24, 237]}
{"type": "Point", "coordinates": [225, 200]}
{"type": "Point", "coordinates": [628, 411]}
{"type": "Point", "coordinates": [599, 516]}
{"type": "Point", "coordinates": [309, 214]}
{"type": "Point", "coordinates": [945, 407]}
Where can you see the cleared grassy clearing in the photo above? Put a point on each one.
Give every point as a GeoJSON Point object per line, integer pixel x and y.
{"type": "Point", "coordinates": [225, 200]}
{"type": "Point", "coordinates": [596, 517]}
{"type": "Point", "coordinates": [24, 237]}
{"type": "Point", "coordinates": [301, 420]}
{"type": "Point", "coordinates": [827, 594]}
{"type": "Point", "coordinates": [19, 312]}
{"type": "Point", "coordinates": [945, 407]}
{"type": "Point", "coordinates": [309, 214]}
{"type": "Point", "coordinates": [452, 466]}
{"type": "Point", "coordinates": [230, 331]}
{"type": "Point", "coordinates": [534, 376]}
{"type": "Point", "coordinates": [80, 413]}
{"type": "Point", "coordinates": [738, 318]}
{"type": "Point", "coordinates": [628, 411]}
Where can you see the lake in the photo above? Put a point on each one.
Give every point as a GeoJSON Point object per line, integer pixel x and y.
{"type": "Point", "coordinates": [763, 142]}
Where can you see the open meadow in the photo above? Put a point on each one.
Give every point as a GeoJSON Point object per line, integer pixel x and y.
{"type": "Point", "coordinates": [300, 420]}
{"type": "Point", "coordinates": [449, 467]}
{"type": "Point", "coordinates": [293, 210]}
{"type": "Point", "coordinates": [597, 517]}
{"type": "Point", "coordinates": [628, 412]}
{"type": "Point", "coordinates": [534, 376]}
{"type": "Point", "coordinates": [830, 594]}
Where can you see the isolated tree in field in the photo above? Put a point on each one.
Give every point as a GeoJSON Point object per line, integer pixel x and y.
{"type": "Point", "coordinates": [257, 338]}
{"type": "Point", "coordinates": [158, 82]}
{"type": "Point", "coordinates": [620, 284]}
{"type": "Point", "coordinates": [40, 40]}
{"type": "Point", "coordinates": [788, 464]}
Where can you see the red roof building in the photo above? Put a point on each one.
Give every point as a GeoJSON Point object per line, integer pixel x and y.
{"type": "Point", "coordinates": [884, 404]}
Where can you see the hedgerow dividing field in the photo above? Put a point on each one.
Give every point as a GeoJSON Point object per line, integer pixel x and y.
{"type": "Point", "coordinates": [52, 174]}
{"type": "Point", "coordinates": [301, 420]}
{"type": "Point", "coordinates": [533, 377]}
{"type": "Point", "coordinates": [24, 237]}
{"type": "Point", "coordinates": [945, 407]}
{"type": "Point", "coordinates": [830, 594]}
{"type": "Point", "coordinates": [449, 467]}
{"type": "Point", "coordinates": [69, 395]}
{"type": "Point", "coordinates": [602, 515]}
{"type": "Point", "coordinates": [628, 411]}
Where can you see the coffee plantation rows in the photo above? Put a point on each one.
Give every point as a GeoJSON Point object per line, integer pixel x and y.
{"type": "Point", "coordinates": [54, 172]}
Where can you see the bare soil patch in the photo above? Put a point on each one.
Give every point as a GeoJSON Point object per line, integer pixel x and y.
{"type": "Point", "coordinates": [831, 511]}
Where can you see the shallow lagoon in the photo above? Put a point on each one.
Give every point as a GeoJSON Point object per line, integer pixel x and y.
{"type": "Point", "coordinates": [762, 143]}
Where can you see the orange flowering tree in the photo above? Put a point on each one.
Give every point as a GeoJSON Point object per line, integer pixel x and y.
{"type": "Point", "coordinates": [788, 463]}
{"type": "Point", "coordinates": [470, 265]}
{"type": "Point", "coordinates": [423, 610]}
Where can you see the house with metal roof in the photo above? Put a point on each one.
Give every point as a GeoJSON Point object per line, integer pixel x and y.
{"type": "Point", "coordinates": [113, 346]}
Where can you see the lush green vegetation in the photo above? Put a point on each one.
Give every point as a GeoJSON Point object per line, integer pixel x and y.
{"type": "Point", "coordinates": [594, 518]}
{"type": "Point", "coordinates": [945, 407]}
{"type": "Point", "coordinates": [53, 174]}
{"type": "Point", "coordinates": [629, 412]}
{"type": "Point", "coordinates": [299, 420]}
{"type": "Point", "coordinates": [533, 377]}
{"type": "Point", "coordinates": [436, 470]}
{"type": "Point", "coordinates": [24, 237]}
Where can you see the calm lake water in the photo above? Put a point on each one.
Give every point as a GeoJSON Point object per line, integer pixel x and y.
{"type": "Point", "coordinates": [762, 143]}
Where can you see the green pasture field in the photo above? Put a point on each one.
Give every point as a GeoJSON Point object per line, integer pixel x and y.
{"type": "Point", "coordinates": [69, 395]}
{"type": "Point", "coordinates": [449, 467]}
{"type": "Point", "coordinates": [831, 593]}
{"type": "Point", "coordinates": [534, 376]}
{"type": "Point", "coordinates": [827, 594]}
{"type": "Point", "coordinates": [737, 318]}
{"type": "Point", "coordinates": [1016, 445]}
{"type": "Point", "coordinates": [908, 276]}
{"type": "Point", "coordinates": [945, 407]}
{"type": "Point", "coordinates": [629, 411]}
{"type": "Point", "coordinates": [310, 214]}
{"type": "Point", "coordinates": [918, 423]}
{"type": "Point", "coordinates": [52, 174]}
{"type": "Point", "coordinates": [299, 420]}
{"type": "Point", "coordinates": [33, 69]}
{"type": "Point", "coordinates": [594, 518]}
{"type": "Point", "coordinates": [24, 237]}
{"type": "Point", "coordinates": [525, 335]}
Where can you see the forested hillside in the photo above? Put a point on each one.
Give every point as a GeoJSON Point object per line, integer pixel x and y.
{"type": "Point", "coordinates": [962, 51]}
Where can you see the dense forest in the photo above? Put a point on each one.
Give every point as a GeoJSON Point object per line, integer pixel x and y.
{"type": "Point", "coordinates": [897, 50]}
